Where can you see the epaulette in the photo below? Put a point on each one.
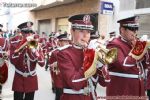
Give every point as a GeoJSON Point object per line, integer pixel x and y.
{"type": "Point", "coordinates": [64, 47]}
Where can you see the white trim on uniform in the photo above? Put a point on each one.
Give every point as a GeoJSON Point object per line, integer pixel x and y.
{"type": "Point", "coordinates": [64, 47]}
{"type": "Point", "coordinates": [77, 47]}
{"type": "Point", "coordinates": [15, 41]}
{"type": "Point", "coordinates": [26, 74]}
{"type": "Point", "coordinates": [15, 56]}
{"type": "Point", "coordinates": [127, 65]}
{"type": "Point", "coordinates": [94, 79]}
{"type": "Point", "coordinates": [107, 80]}
{"type": "Point", "coordinates": [84, 91]}
{"type": "Point", "coordinates": [124, 75]}
{"type": "Point", "coordinates": [41, 61]}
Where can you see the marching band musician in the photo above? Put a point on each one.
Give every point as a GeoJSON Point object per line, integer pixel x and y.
{"type": "Point", "coordinates": [50, 48]}
{"type": "Point", "coordinates": [71, 61]}
{"type": "Point", "coordinates": [63, 42]}
{"type": "Point", "coordinates": [4, 46]}
{"type": "Point", "coordinates": [25, 57]}
{"type": "Point", "coordinates": [127, 71]}
{"type": "Point", "coordinates": [43, 43]}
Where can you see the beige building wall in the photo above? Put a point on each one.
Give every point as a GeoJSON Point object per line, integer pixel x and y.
{"type": "Point", "coordinates": [86, 6]}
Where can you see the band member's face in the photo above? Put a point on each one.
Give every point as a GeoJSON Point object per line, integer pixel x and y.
{"type": "Point", "coordinates": [129, 35]}
{"type": "Point", "coordinates": [81, 37]}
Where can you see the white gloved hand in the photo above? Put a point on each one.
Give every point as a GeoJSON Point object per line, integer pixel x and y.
{"type": "Point", "coordinates": [144, 38]}
{"type": "Point", "coordinates": [33, 50]}
{"type": "Point", "coordinates": [92, 44]}
{"type": "Point", "coordinates": [99, 64]}
{"type": "Point", "coordinates": [29, 38]}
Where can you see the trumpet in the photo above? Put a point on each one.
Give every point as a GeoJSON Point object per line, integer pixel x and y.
{"type": "Point", "coordinates": [106, 56]}
{"type": "Point", "coordinates": [33, 44]}
{"type": "Point", "coordinates": [30, 42]}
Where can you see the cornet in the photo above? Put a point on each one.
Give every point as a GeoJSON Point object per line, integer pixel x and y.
{"type": "Point", "coordinates": [106, 56]}
{"type": "Point", "coordinates": [33, 44]}
{"type": "Point", "coordinates": [30, 42]}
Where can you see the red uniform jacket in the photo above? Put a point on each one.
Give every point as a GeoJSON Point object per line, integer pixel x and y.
{"type": "Point", "coordinates": [148, 79]}
{"type": "Point", "coordinates": [44, 45]}
{"type": "Point", "coordinates": [3, 56]}
{"type": "Point", "coordinates": [3, 45]}
{"type": "Point", "coordinates": [148, 75]}
{"type": "Point", "coordinates": [25, 62]}
{"type": "Point", "coordinates": [124, 86]}
{"type": "Point", "coordinates": [55, 73]}
{"type": "Point", "coordinates": [70, 61]}
{"type": "Point", "coordinates": [49, 47]}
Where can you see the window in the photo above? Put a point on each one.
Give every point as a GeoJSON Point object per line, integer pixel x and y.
{"type": "Point", "coordinates": [142, 4]}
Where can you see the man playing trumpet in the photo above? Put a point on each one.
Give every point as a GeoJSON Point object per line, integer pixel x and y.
{"type": "Point", "coordinates": [77, 63]}
{"type": "Point", "coordinates": [24, 55]}
{"type": "Point", "coordinates": [128, 70]}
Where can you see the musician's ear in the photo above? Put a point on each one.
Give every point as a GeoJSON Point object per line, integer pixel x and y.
{"type": "Point", "coordinates": [72, 30]}
{"type": "Point", "coordinates": [122, 30]}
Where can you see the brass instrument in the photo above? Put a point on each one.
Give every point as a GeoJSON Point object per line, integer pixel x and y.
{"type": "Point", "coordinates": [106, 56]}
{"type": "Point", "coordinates": [33, 44]}
{"type": "Point", "coordinates": [30, 42]}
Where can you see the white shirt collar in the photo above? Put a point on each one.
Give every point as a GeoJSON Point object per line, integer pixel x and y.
{"type": "Point", "coordinates": [123, 39]}
{"type": "Point", "coordinates": [77, 46]}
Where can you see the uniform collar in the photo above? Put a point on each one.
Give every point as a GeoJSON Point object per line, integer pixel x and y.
{"type": "Point", "coordinates": [123, 39]}
{"type": "Point", "coordinates": [64, 47]}
{"type": "Point", "coordinates": [77, 46]}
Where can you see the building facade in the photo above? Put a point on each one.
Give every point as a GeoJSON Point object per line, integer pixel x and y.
{"type": "Point", "coordinates": [51, 15]}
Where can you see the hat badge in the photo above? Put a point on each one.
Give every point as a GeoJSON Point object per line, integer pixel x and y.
{"type": "Point", "coordinates": [86, 19]}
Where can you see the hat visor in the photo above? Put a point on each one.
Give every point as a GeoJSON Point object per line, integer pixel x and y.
{"type": "Point", "coordinates": [64, 39]}
{"type": "Point", "coordinates": [83, 27]}
{"type": "Point", "coordinates": [132, 28]}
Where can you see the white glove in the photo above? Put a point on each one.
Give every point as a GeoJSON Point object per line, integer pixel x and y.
{"type": "Point", "coordinates": [99, 64]}
{"type": "Point", "coordinates": [29, 38]}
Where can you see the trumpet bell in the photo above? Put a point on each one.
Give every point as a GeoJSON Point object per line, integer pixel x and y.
{"type": "Point", "coordinates": [33, 44]}
{"type": "Point", "coordinates": [107, 56]}
{"type": "Point", "coordinates": [111, 55]}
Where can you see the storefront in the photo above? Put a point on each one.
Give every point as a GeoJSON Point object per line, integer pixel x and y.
{"type": "Point", "coordinates": [58, 14]}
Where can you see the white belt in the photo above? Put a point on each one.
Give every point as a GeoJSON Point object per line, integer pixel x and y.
{"type": "Point", "coordinates": [26, 74]}
{"type": "Point", "coordinates": [125, 75]}
{"type": "Point", "coordinates": [84, 91]}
